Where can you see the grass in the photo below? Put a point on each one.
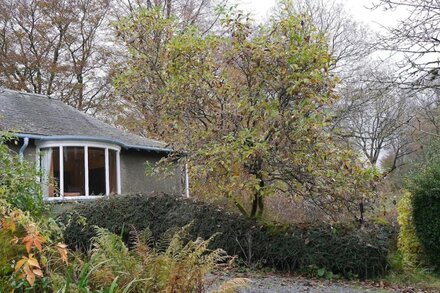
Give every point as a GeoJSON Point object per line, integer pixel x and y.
{"type": "Point", "coordinates": [409, 275]}
{"type": "Point", "coordinates": [419, 278]}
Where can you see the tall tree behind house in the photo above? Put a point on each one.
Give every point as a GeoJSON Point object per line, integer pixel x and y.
{"type": "Point", "coordinates": [56, 48]}
{"type": "Point", "coordinates": [66, 48]}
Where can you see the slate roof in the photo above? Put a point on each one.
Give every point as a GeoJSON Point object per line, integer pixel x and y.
{"type": "Point", "coordinates": [26, 113]}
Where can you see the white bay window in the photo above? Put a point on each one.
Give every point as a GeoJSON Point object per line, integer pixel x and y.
{"type": "Point", "coordinates": [78, 170]}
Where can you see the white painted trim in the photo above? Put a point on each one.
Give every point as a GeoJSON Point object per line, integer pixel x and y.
{"type": "Point", "coordinates": [107, 173]}
{"type": "Point", "coordinates": [118, 172]}
{"type": "Point", "coordinates": [61, 171]}
{"type": "Point", "coordinates": [72, 143]}
{"type": "Point", "coordinates": [86, 171]}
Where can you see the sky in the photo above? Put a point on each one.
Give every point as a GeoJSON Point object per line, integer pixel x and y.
{"type": "Point", "coordinates": [376, 19]}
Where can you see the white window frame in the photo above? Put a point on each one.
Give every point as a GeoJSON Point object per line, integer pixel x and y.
{"type": "Point", "coordinates": [86, 145]}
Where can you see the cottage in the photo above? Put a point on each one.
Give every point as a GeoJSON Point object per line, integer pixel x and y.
{"type": "Point", "coordinates": [79, 156]}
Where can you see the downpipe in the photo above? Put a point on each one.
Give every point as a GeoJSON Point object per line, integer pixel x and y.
{"type": "Point", "coordinates": [23, 148]}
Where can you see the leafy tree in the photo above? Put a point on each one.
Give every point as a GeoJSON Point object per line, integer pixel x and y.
{"type": "Point", "coordinates": [197, 13]}
{"type": "Point", "coordinates": [250, 107]}
{"type": "Point", "coordinates": [349, 41]}
{"type": "Point", "coordinates": [66, 48]}
{"type": "Point", "coordinates": [54, 48]}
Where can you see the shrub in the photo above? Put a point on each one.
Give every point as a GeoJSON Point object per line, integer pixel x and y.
{"type": "Point", "coordinates": [408, 242]}
{"type": "Point", "coordinates": [343, 250]}
{"type": "Point", "coordinates": [32, 260]}
{"type": "Point", "coordinates": [29, 250]}
{"type": "Point", "coordinates": [18, 184]}
{"type": "Point", "coordinates": [29, 241]}
{"type": "Point", "coordinates": [425, 188]}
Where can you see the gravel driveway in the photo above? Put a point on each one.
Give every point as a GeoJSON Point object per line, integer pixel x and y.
{"type": "Point", "coordinates": [279, 284]}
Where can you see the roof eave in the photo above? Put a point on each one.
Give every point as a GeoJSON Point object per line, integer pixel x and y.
{"type": "Point", "coordinates": [95, 139]}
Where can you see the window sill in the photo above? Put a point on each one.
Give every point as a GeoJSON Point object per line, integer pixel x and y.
{"type": "Point", "coordinates": [74, 198]}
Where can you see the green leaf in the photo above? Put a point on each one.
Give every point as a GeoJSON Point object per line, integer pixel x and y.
{"type": "Point", "coordinates": [321, 272]}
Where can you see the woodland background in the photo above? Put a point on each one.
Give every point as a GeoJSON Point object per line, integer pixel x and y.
{"type": "Point", "coordinates": [209, 80]}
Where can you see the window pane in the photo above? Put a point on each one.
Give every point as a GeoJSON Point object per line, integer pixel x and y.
{"type": "Point", "coordinates": [112, 171]}
{"type": "Point", "coordinates": [55, 171]}
{"type": "Point", "coordinates": [96, 171]}
{"type": "Point", "coordinates": [50, 168]}
{"type": "Point", "coordinates": [73, 158]}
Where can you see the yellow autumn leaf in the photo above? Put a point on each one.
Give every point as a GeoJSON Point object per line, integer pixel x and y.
{"type": "Point", "coordinates": [62, 250]}
{"type": "Point", "coordinates": [30, 278]}
{"type": "Point", "coordinates": [33, 262]}
{"type": "Point", "coordinates": [8, 224]}
{"type": "Point", "coordinates": [38, 272]}
{"type": "Point", "coordinates": [27, 270]}
{"type": "Point", "coordinates": [33, 239]}
{"type": "Point", "coordinates": [14, 240]}
{"type": "Point", "coordinates": [20, 263]}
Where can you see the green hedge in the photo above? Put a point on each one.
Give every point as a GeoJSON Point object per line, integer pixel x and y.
{"type": "Point", "coordinates": [425, 188]}
{"type": "Point", "coordinates": [408, 243]}
{"type": "Point", "coordinates": [343, 250]}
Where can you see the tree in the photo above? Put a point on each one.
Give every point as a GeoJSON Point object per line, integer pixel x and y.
{"type": "Point", "coordinates": [349, 41]}
{"type": "Point", "coordinates": [368, 108]}
{"type": "Point", "coordinates": [249, 107]}
{"type": "Point", "coordinates": [199, 13]}
{"type": "Point", "coordinates": [55, 48]}
{"type": "Point", "coordinates": [414, 43]}
{"type": "Point", "coordinates": [375, 116]}
{"type": "Point", "coordinates": [421, 133]}
{"type": "Point", "coordinates": [181, 14]}
{"type": "Point", "coordinates": [66, 49]}
{"type": "Point", "coordinates": [416, 40]}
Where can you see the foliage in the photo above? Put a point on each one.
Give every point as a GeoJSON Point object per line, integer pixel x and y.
{"type": "Point", "coordinates": [408, 243]}
{"type": "Point", "coordinates": [55, 48]}
{"type": "Point", "coordinates": [29, 242]}
{"type": "Point", "coordinates": [250, 107]}
{"type": "Point", "coordinates": [18, 184]}
{"type": "Point", "coordinates": [426, 208]}
{"type": "Point", "coordinates": [30, 249]}
{"type": "Point", "coordinates": [174, 265]}
{"type": "Point", "coordinates": [349, 40]}
{"type": "Point", "coordinates": [344, 250]}
{"type": "Point", "coordinates": [31, 258]}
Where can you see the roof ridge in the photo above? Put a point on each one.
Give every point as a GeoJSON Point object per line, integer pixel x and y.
{"type": "Point", "coordinates": [2, 90]}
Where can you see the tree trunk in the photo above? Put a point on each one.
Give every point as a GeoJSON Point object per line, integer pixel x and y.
{"type": "Point", "coordinates": [258, 201]}
{"type": "Point", "coordinates": [254, 206]}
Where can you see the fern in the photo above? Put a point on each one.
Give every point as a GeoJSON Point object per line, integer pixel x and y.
{"type": "Point", "coordinates": [181, 266]}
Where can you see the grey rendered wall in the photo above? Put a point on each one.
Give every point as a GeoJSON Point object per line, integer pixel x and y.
{"type": "Point", "coordinates": [134, 180]}
{"type": "Point", "coordinates": [29, 153]}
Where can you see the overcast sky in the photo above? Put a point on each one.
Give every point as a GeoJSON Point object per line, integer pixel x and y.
{"type": "Point", "coordinates": [358, 8]}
